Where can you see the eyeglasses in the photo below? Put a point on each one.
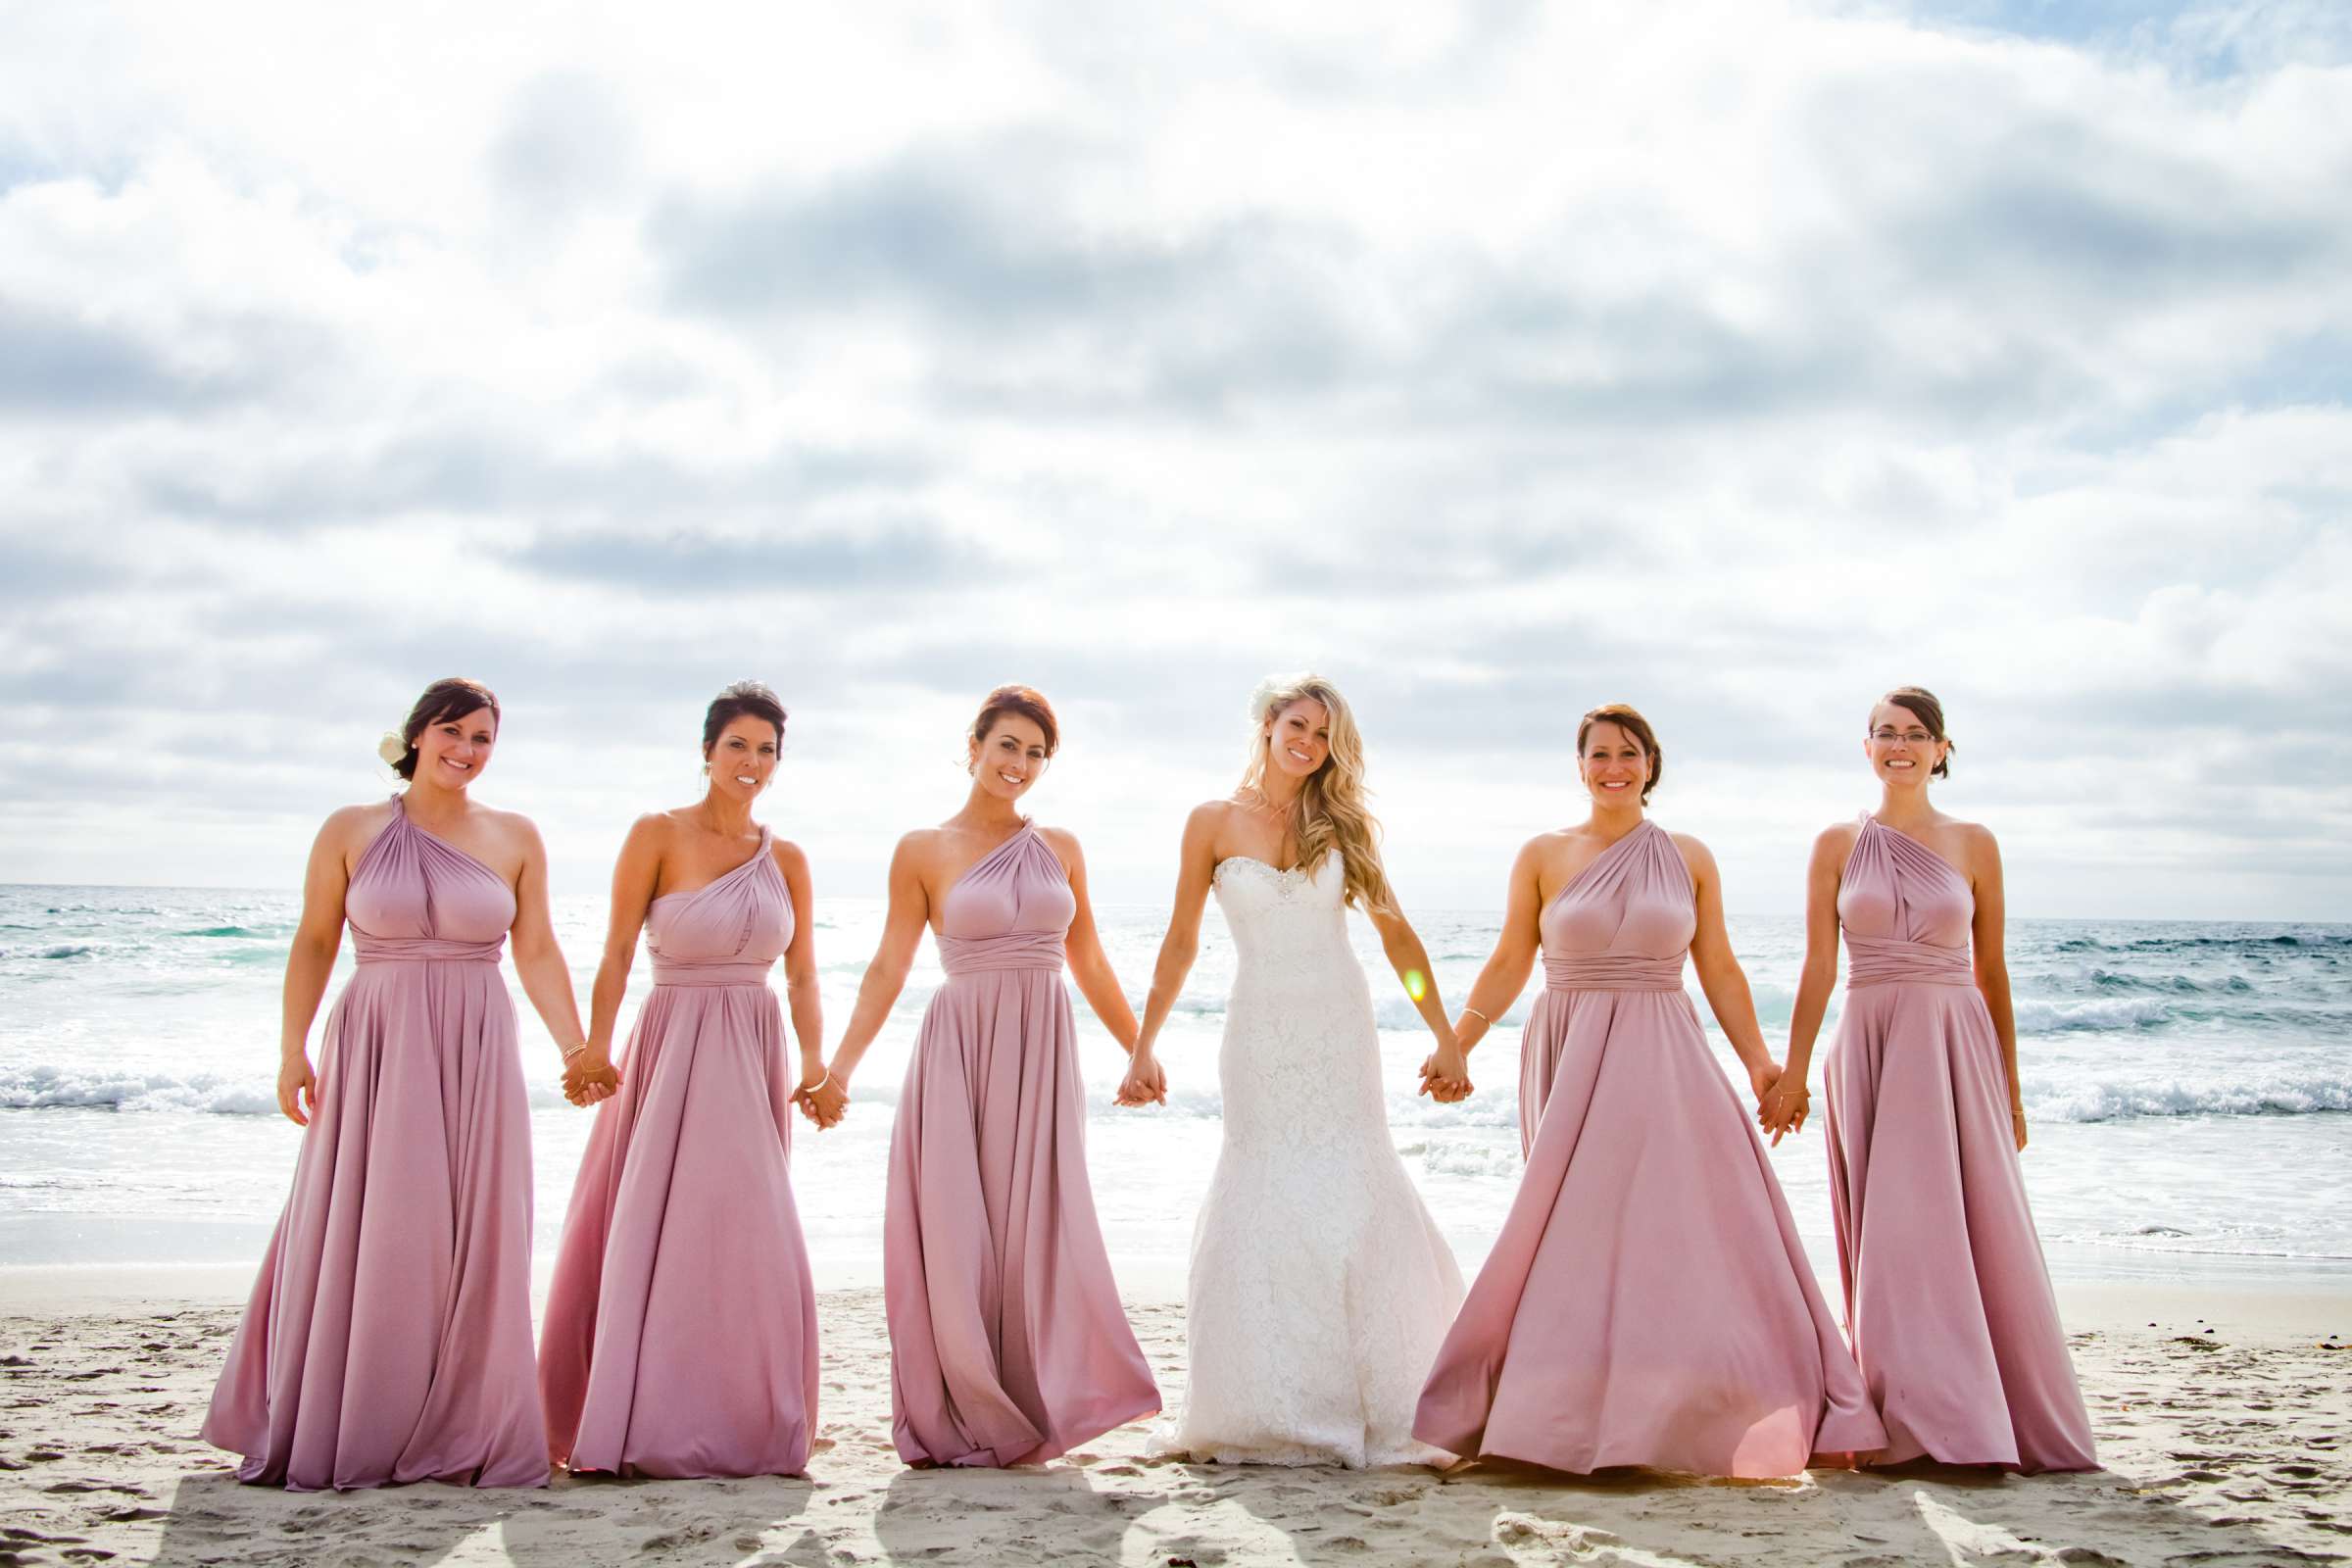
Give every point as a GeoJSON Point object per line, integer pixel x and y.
{"type": "Point", "coordinates": [1909, 737]}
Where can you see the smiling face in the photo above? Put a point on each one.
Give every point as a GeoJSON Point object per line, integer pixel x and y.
{"type": "Point", "coordinates": [451, 753]}
{"type": "Point", "coordinates": [1902, 751]}
{"type": "Point", "coordinates": [1299, 737]}
{"type": "Point", "coordinates": [1009, 757]}
{"type": "Point", "coordinates": [1613, 764]}
{"type": "Point", "coordinates": [743, 760]}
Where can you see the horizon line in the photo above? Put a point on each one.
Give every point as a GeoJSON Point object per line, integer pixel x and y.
{"type": "Point", "coordinates": [1115, 904]}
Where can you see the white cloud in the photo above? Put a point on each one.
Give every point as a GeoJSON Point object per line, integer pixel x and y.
{"type": "Point", "coordinates": [1738, 360]}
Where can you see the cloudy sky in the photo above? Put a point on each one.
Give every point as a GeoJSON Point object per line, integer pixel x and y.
{"type": "Point", "coordinates": [1496, 359]}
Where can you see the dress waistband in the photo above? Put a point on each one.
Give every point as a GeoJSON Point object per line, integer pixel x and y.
{"type": "Point", "coordinates": [711, 971]}
{"type": "Point", "coordinates": [366, 948]}
{"type": "Point", "coordinates": [1022, 950]}
{"type": "Point", "coordinates": [1890, 960]}
{"type": "Point", "coordinates": [1611, 971]}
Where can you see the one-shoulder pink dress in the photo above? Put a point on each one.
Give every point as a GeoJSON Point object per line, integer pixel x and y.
{"type": "Point", "coordinates": [389, 1336]}
{"type": "Point", "coordinates": [1945, 1292]}
{"type": "Point", "coordinates": [1647, 1301]}
{"type": "Point", "coordinates": [1007, 1344]}
{"type": "Point", "coordinates": [681, 1323]}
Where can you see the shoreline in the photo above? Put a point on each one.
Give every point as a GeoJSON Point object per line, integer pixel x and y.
{"type": "Point", "coordinates": [2254, 1308]}
{"type": "Point", "coordinates": [1154, 899]}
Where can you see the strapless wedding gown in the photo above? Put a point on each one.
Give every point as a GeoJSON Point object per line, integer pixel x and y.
{"type": "Point", "coordinates": [1320, 1286]}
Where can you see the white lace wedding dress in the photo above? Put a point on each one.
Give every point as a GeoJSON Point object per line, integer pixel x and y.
{"type": "Point", "coordinates": [1320, 1285]}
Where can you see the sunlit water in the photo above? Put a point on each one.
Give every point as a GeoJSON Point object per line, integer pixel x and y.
{"type": "Point", "coordinates": [2189, 1088]}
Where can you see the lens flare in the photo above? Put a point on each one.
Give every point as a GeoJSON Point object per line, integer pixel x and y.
{"type": "Point", "coordinates": [1416, 984]}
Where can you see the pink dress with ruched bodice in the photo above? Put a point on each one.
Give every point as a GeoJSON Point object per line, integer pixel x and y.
{"type": "Point", "coordinates": [1007, 1341]}
{"type": "Point", "coordinates": [681, 1322]}
{"type": "Point", "coordinates": [1647, 1301]}
{"type": "Point", "coordinates": [1946, 1294]}
{"type": "Point", "coordinates": [389, 1336]}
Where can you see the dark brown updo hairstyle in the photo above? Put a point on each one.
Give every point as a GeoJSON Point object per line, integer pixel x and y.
{"type": "Point", "coordinates": [1026, 701]}
{"type": "Point", "coordinates": [1920, 703]}
{"type": "Point", "coordinates": [744, 697]}
{"type": "Point", "coordinates": [452, 697]}
{"type": "Point", "coordinates": [1623, 716]}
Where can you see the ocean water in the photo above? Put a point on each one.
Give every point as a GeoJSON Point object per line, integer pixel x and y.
{"type": "Point", "coordinates": [2188, 1087]}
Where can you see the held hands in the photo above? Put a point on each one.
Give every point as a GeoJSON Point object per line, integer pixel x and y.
{"type": "Point", "coordinates": [1445, 1075]}
{"type": "Point", "coordinates": [589, 1077]}
{"type": "Point", "coordinates": [1145, 1083]}
{"type": "Point", "coordinates": [298, 1092]}
{"type": "Point", "coordinates": [824, 1097]}
{"type": "Point", "coordinates": [1781, 1102]}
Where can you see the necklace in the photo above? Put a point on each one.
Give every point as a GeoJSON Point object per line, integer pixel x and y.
{"type": "Point", "coordinates": [1269, 811]}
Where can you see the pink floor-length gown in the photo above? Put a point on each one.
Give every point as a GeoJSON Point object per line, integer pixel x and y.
{"type": "Point", "coordinates": [1945, 1292]}
{"type": "Point", "coordinates": [1647, 1301]}
{"type": "Point", "coordinates": [681, 1322]}
{"type": "Point", "coordinates": [1007, 1341]}
{"type": "Point", "coordinates": [388, 1337]}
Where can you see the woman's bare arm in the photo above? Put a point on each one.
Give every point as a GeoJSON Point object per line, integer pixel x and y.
{"type": "Point", "coordinates": [539, 961]}
{"type": "Point", "coordinates": [1089, 964]}
{"type": "Point", "coordinates": [1445, 1075]}
{"type": "Point", "coordinates": [885, 977]}
{"type": "Point", "coordinates": [1719, 973]}
{"type": "Point", "coordinates": [799, 966]}
{"type": "Point", "coordinates": [1785, 1110]}
{"type": "Point", "coordinates": [1516, 948]}
{"type": "Point", "coordinates": [311, 956]}
{"type": "Point", "coordinates": [1196, 871]}
{"type": "Point", "coordinates": [634, 875]}
{"type": "Point", "coordinates": [1989, 938]}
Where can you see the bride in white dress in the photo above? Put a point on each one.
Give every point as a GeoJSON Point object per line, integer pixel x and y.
{"type": "Point", "coordinates": [1320, 1286]}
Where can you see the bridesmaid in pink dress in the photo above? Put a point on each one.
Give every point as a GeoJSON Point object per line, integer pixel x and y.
{"type": "Point", "coordinates": [1946, 1292]}
{"type": "Point", "coordinates": [681, 1324]}
{"type": "Point", "coordinates": [1007, 1341]}
{"type": "Point", "coordinates": [389, 1336]}
{"type": "Point", "coordinates": [1647, 1301]}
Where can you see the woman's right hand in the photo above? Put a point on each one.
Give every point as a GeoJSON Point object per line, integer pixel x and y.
{"type": "Point", "coordinates": [826, 1103]}
{"type": "Point", "coordinates": [1145, 1083]}
{"type": "Point", "coordinates": [589, 1077]}
{"type": "Point", "coordinates": [1445, 1075]}
{"type": "Point", "coordinates": [297, 1089]}
{"type": "Point", "coordinates": [1784, 1107]}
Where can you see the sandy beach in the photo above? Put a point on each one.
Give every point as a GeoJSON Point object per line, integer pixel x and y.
{"type": "Point", "coordinates": [2225, 1418]}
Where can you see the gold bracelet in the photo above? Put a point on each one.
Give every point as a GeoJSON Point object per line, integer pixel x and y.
{"type": "Point", "coordinates": [1480, 1016]}
{"type": "Point", "coordinates": [570, 1052]}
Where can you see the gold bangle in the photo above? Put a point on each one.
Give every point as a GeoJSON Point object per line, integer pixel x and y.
{"type": "Point", "coordinates": [1480, 1016]}
{"type": "Point", "coordinates": [570, 1052]}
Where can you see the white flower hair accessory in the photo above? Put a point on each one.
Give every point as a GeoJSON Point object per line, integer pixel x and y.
{"type": "Point", "coordinates": [392, 747]}
{"type": "Point", "coordinates": [1261, 699]}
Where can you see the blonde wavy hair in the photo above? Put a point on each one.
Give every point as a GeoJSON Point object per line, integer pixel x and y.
{"type": "Point", "coordinates": [1329, 812]}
